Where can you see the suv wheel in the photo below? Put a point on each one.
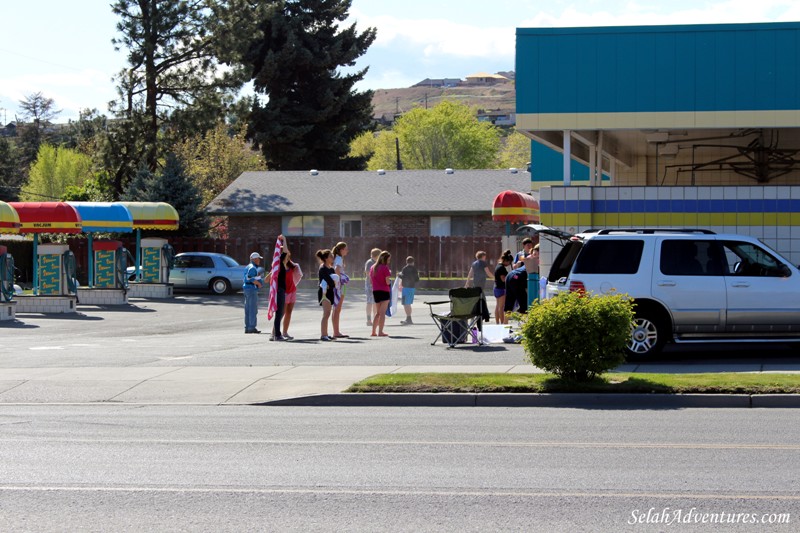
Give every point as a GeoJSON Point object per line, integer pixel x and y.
{"type": "Point", "coordinates": [648, 335]}
{"type": "Point", "coordinates": [220, 286]}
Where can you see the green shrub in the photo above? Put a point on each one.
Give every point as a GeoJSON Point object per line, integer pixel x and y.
{"type": "Point", "coordinates": [578, 336]}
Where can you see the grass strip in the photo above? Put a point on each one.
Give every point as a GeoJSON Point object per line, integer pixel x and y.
{"type": "Point", "coordinates": [707, 383]}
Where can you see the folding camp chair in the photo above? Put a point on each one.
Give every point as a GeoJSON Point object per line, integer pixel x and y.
{"type": "Point", "coordinates": [468, 310]}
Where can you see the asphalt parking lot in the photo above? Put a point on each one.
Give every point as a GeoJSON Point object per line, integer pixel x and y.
{"type": "Point", "coordinates": [196, 329]}
{"type": "Point", "coordinates": [191, 349]}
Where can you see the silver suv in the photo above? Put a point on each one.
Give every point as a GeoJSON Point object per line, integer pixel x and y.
{"type": "Point", "coordinates": [689, 285]}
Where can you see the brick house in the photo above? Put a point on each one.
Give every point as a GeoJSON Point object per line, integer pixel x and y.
{"type": "Point", "coordinates": [409, 212]}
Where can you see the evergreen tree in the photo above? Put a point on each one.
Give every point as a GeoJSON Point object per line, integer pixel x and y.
{"type": "Point", "coordinates": [313, 112]}
{"type": "Point", "coordinates": [11, 177]}
{"type": "Point", "coordinates": [171, 185]}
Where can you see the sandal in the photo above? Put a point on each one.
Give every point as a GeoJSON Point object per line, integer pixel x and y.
{"type": "Point", "coordinates": [342, 336]}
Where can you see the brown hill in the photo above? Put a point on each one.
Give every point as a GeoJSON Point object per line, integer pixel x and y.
{"type": "Point", "coordinates": [495, 97]}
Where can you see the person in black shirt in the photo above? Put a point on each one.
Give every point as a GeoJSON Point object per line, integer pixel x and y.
{"type": "Point", "coordinates": [500, 274]}
{"type": "Point", "coordinates": [325, 292]}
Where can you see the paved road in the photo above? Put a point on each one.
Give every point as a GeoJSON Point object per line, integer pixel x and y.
{"type": "Point", "coordinates": [179, 468]}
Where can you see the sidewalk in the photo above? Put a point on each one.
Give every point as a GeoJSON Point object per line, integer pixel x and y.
{"type": "Point", "coordinates": [259, 385]}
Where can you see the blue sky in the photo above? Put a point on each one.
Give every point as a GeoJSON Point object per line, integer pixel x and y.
{"type": "Point", "coordinates": [65, 51]}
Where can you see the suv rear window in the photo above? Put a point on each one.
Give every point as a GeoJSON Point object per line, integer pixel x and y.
{"type": "Point", "coordinates": [610, 256]}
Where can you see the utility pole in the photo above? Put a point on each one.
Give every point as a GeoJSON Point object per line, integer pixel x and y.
{"type": "Point", "coordinates": [397, 149]}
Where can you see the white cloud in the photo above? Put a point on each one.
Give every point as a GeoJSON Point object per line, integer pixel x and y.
{"type": "Point", "coordinates": [635, 13]}
{"type": "Point", "coordinates": [437, 37]}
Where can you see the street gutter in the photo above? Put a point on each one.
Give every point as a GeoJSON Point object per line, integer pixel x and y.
{"type": "Point", "coordinates": [576, 400]}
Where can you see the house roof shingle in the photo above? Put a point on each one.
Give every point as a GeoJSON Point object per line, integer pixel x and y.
{"type": "Point", "coordinates": [394, 192]}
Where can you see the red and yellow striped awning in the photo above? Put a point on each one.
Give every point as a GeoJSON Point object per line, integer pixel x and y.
{"type": "Point", "coordinates": [9, 219]}
{"type": "Point", "coordinates": [515, 206]}
{"type": "Point", "coordinates": [152, 215]}
{"type": "Point", "coordinates": [47, 217]}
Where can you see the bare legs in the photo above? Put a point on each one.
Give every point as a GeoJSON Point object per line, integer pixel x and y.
{"type": "Point", "coordinates": [326, 313]}
{"type": "Point", "coordinates": [287, 318]}
{"type": "Point", "coordinates": [379, 319]}
{"type": "Point", "coordinates": [499, 310]}
{"type": "Point", "coordinates": [337, 311]}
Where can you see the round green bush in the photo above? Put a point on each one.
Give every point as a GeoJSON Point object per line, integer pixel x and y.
{"type": "Point", "coordinates": [578, 335]}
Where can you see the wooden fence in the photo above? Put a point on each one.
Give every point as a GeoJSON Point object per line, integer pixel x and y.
{"type": "Point", "coordinates": [435, 256]}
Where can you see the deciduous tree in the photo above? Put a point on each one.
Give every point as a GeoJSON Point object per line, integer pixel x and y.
{"type": "Point", "coordinates": [214, 159]}
{"type": "Point", "coordinates": [447, 135]}
{"type": "Point", "coordinates": [516, 151]}
{"type": "Point", "coordinates": [37, 113]}
{"type": "Point", "coordinates": [56, 170]}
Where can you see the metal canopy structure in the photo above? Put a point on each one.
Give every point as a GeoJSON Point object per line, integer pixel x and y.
{"type": "Point", "coordinates": [110, 217]}
{"type": "Point", "coordinates": [153, 215]}
{"type": "Point", "coordinates": [9, 219]}
{"type": "Point", "coordinates": [46, 217]}
{"type": "Point", "coordinates": [150, 215]}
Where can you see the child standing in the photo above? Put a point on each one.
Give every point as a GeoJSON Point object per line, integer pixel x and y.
{"type": "Point", "coordinates": [409, 277]}
{"type": "Point", "coordinates": [368, 283]}
{"type": "Point", "coordinates": [381, 289]}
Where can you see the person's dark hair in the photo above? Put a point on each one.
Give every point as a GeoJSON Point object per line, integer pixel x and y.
{"type": "Point", "coordinates": [286, 259]}
{"type": "Point", "coordinates": [410, 260]}
{"type": "Point", "coordinates": [527, 240]}
{"type": "Point", "coordinates": [337, 250]}
{"type": "Point", "coordinates": [506, 257]}
{"type": "Point", "coordinates": [384, 258]}
{"type": "Point", "coordinates": [322, 255]}
{"type": "Point", "coordinates": [479, 254]}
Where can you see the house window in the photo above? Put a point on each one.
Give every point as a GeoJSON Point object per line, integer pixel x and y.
{"type": "Point", "coordinates": [303, 226]}
{"type": "Point", "coordinates": [461, 226]}
{"type": "Point", "coordinates": [350, 226]}
{"type": "Point", "coordinates": [440, 226]}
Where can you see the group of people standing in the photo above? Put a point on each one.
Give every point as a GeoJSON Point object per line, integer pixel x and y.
{"type": "Point", "coordinates": [378, 287]}
{"type": "Point", "coordinates": [510, 278]}
{"type": "Point", "coordinates": [289, 275]}
{"type": "Point", "coordinates": [510, 287]}
{"type": "Point", "coordinates": [331, 290]}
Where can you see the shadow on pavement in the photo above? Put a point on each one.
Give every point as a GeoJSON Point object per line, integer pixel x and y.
{"type": "Point", "coordinates": [80, 317]}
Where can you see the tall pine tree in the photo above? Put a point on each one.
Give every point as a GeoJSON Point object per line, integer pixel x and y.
{"type": "Point", "coordinates": [312, 112]}
{"type": "Point", "coordinates": [175, 49]}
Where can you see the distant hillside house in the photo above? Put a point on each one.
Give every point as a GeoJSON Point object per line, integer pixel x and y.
{"type": "Point", "coordinates": [439, 82]}
{"type": "Point", "coordinates": [482, 78]}
{"type": "Point", "coordinates": [403, 203]}
{"type": "Point", "coordinates": [497, 117]}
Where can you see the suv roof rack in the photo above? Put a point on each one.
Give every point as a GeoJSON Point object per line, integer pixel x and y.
{"type": "Point", "coordinates": [650, 231]}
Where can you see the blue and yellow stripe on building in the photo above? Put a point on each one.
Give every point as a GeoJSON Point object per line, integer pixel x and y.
{"type": "Point", "coordinates": [671, 212]}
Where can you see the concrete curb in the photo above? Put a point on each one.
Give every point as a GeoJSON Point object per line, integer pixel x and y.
{"type": "Point", "coordinates": [584, 401]}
